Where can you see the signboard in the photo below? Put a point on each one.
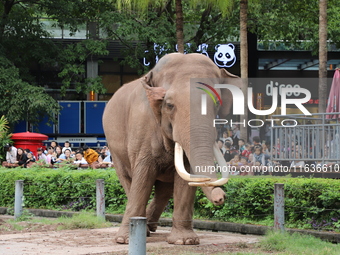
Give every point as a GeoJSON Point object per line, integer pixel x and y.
{"type": "Point", "coordinates": [223, 55]}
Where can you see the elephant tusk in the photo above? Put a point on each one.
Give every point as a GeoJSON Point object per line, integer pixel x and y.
{"type": "Point", "coordinates": [223, 164]}
{"type": "Point", "coordinates": [181, 169]}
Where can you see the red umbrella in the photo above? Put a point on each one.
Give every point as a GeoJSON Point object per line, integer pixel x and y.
{"type": "Point", "coordinates": [334, 97]}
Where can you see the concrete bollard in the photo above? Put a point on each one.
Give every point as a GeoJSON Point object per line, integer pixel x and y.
{"type": "Point", "coordinates": [18, 200]}
{"type": "Point", "coordinates": [279, 207]}
{"type": "Point", "coordinates": [137, 236]}
{"type": "Point", "coordinates": [100, 198]}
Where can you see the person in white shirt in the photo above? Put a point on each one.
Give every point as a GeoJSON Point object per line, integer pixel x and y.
{"type": "Point", "coordinates": [11, 155]}
{"type": "Point", "coordinates": [66, 147]}
{"type": "Point", "coordinates": [79, 160]}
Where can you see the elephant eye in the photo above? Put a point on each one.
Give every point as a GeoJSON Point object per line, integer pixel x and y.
{"type": "Point", "coordinates": [170, 106]}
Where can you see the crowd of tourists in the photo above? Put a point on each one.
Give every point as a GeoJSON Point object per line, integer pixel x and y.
{"type": "Point", "coordinates": [56, 155]}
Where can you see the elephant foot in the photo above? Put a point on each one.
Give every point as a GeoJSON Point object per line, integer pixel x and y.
{"type": "Point", "coordinates": [122, 236]}
{"type": "Point", "coordinates": [152, 227]}
{"type": "Point", "coordinates": [122, 240]}
{"type": "Point", "coordinates": [183, 237]}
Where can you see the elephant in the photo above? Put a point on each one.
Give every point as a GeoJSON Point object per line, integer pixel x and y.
{"type": "Point", "coordinates": [148, 127]}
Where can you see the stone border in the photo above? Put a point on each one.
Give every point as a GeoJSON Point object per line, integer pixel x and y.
{"type": "Point", "coordinates": [198, 224]}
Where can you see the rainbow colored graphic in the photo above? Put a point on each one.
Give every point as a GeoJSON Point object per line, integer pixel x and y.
{"type": "Point", "coordinates": [210, 94]}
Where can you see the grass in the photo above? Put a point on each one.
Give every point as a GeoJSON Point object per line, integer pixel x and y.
{"type": "Point", "coordinates": [293, 244]}
{"type": "Point", "coordinates": [82, 220]}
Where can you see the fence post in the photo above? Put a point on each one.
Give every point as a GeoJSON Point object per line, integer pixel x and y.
{"type": "Point", "coordinates": [100, 198]}
{"type": "Point", "coordinates": [279, 210]}
{"type": "Point", "coordinates": [18, 200]}
{"type": "Point", "coordinates": [137, 236]}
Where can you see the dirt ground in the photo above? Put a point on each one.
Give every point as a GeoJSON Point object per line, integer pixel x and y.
{"type": "Point", "coordinates": [45, 239]}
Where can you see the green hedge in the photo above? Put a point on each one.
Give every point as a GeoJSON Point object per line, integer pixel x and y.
{"type": "Point", "coordinates": [312, 200]}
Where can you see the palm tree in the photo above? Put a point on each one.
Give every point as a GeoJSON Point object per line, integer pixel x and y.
{"type": "Point", "coordinates": [322, 55]}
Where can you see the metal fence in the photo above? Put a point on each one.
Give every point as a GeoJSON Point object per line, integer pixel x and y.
{"type": "Point", "coordinates": [313, 139]}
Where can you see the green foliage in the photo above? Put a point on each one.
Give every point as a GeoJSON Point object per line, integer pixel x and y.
{"type": "Point", "coordinates": [249, 199]}
{"type": "Point", "coordinates": [296, 244]}
{"type": "Point", "coordinates": [73, 59]}
{"type": "Point", "coordinates": [20, 100]}
{"type": "Point", "coordinates": [292, 25]}
{"type": "Point", "coordinates": [4, 136]}
{"type": "Point", "coordinates": [252, 198]}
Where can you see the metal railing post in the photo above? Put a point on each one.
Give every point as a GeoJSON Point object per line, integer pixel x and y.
{"type": "Point", "coordinates": [19, 194]}
{"type": "Point", "coordinates": [100, 198]}
{"type": "Point", "coordinates": [279, 211]}
{"type": "Point", "coordinates": [137, 236]}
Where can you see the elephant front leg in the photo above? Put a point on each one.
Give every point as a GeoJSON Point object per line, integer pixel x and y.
{"type": "Point", "coordinates": [182, 231]}
{"type": "Point", "coordinates": [139, 195]}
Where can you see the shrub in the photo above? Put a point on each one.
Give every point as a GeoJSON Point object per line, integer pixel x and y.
{"type": "Point", "coordinates": [311, 201]}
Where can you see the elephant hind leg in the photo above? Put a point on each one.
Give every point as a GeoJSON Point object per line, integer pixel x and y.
{"type": "Point", "coordinates": [163, 192]}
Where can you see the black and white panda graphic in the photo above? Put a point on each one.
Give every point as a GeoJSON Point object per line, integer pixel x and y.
{"type": "Point", "coordinates": [225, 55]}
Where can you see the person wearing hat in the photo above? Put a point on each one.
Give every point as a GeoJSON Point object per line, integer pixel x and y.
{"type": "Point", "coordinates": [11, 156]}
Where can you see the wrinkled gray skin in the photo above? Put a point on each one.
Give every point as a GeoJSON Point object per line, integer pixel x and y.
{"type": "Point", "coordinates": [142, 122]}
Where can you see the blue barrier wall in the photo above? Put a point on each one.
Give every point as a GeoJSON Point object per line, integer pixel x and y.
{"type": "Point", "coordinates": [93, 113]}
{"type": "Point", "coordinates": [69, 117]}
{"type": "Point", "coordinates": [70, 120]}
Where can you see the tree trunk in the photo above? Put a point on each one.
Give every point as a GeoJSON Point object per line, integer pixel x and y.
{"type": "Point", "coordinates": [244, 65]}
{"type": "Point", "coordinates": [322, 55]}
{"type": "Point", "coordinates": [179, 26]}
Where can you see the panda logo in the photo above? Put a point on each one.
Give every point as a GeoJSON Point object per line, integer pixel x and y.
{"type": "Point", "coordinates": [225, 55]}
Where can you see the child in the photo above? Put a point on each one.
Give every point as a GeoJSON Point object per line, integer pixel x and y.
{"type": "Point", "coordinates": [30, 160]}
{"type": "Point", "coordinates": [259, 157]}
{"type": "Point", "coordinates": [247, 150]}
{"type": "Point", "coordinates": [241, 146]}
{"type": "Point", "coordinates": [79, 160]}
{"type": "Point", "coordinates": [244, 162]}
{"type": "Point", "coordinates": [236, 160]}
{"type": "Point", "coordinates": [66, 146]}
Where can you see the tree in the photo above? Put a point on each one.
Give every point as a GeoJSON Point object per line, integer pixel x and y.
{"type": "Point", "coordinates": [322, 55]}
{"type": "Point", "coordinates": [138, 5]}
{"type": "Point", "coordinates": [244, 61]}
{"type": "Point", "coordinates": [20, 100]}
{"type": "Point", "coordinates": [25, 42]}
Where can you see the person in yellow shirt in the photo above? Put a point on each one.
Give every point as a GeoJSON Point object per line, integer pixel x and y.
{"type": "Point", "coordinates": [91, 156]}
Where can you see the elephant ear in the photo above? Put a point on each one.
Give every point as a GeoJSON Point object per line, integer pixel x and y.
{"type": "Point", "coordinates": [154, 94]}
{"type": "Point", "coordinates": [227, 98]}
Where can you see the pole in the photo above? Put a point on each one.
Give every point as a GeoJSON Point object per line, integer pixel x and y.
{"type": "Point", "coordinates": [100, 198]}
{"type": "Point", "coordinates": [279, 211]}
{"type": "Point", "coordinates": [19, 193]}
{"type": "Point", "coordinates": [137, 236]}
